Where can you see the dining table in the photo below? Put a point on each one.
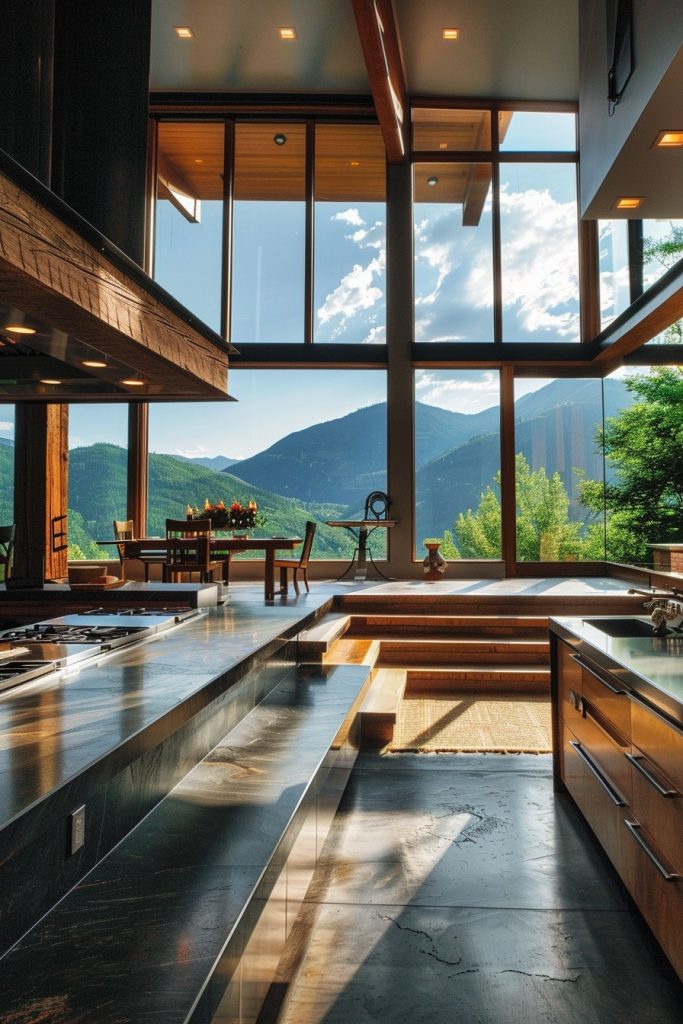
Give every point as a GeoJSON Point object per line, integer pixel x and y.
{"type": "Point", "coordinates": [269, 545]}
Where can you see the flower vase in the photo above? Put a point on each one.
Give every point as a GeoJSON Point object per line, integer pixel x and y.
{"type": "Point", "coordinates": [434, 563]}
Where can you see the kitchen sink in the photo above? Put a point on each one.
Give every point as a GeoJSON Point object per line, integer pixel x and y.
{"type": "Point", "coordinates": [625, 626]}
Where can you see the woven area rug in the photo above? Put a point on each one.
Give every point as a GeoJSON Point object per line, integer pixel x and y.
{"type": "Point", "coordinates": [473, 723]}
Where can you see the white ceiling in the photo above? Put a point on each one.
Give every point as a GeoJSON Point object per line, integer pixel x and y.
{"type": "Point", "coordinates": [509, 49]}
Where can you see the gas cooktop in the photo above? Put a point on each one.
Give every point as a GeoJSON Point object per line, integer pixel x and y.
{"type": "Point", "coordinates": [58, 643]}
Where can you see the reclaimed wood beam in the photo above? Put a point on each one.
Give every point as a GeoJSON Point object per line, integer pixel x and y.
{"type": "Point", "coordinates": [381, 47]}
{"type": "Point", "coordinates": [57, 275]}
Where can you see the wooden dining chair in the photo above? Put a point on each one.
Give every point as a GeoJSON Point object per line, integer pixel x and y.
{"type": "Point", "coordinates": [6, 549]}
{"type": "Point", "coordinates": [124, 529]}
{"type": "Point", "coordinates": [188, 550]}
{"type": "Point", "coordinates": [297, 565]}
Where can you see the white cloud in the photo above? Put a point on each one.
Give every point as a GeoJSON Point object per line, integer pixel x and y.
{"type": "Point", "coordinates": [350, 216]}
{"type": "Point", "coordinates": [462, 392]}
{"type": "Point", "coordinates": [355, 292]}
{"type": "Point", "coordinates": [540, 271]}
{"type": "Point", "coordinates": [375, 336]}
{"type": "Point", "coordinates": [7, 428]}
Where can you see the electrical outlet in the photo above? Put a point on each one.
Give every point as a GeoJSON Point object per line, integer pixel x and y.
{"type": "Point", "coordinates": [77, 830]}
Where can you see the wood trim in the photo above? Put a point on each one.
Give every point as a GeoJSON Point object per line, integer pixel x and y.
{"type": "Point", "coordinates": [138, 461]}
{"type": "Point", "coordinates": [589, 280]}
{"type": "Point", "coordinates": [382, 55]}
{"type": "Point", "coordinates": [508, 497]}
{"type": "Point", "coordinates": [53, 273]}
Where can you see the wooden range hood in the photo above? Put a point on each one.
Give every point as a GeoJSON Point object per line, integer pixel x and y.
{"type": "Point", "coordinates": [84, 301]}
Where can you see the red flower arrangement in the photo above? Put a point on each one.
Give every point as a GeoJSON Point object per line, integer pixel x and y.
{"type": "Point", "coordinates": [235, 516]}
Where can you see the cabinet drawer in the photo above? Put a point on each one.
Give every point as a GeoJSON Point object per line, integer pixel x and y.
{"type": "Point", "coordinates": [659, 898]}
{"type": "Point", "coordinates": [601, 805]}
{"type": "Point", "coordinates": [658, 806]}
{"type": "Point", "coordinates": [606, 697]}
{"type": "Point", "coordinates": [569, 674]}
{"type": "Point", "coordinates": [660, 741]}
{"type": "Point", "coordinates": [603, 743]}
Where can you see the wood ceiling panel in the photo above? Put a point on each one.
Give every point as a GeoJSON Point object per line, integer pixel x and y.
{"type": "Point", "coordinates": [350, 163]}
{"type": "Point", "coordinates": [444, 130]}
{"type": "Point", "coordinates": [195, 152]}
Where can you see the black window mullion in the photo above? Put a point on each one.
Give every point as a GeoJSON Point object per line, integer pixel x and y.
{"type": "Point", "coordinates": [228, 196]}
{"type": "Point", "coordinates": [497, 259]}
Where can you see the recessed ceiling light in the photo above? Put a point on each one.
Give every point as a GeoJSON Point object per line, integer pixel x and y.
{"type": "Point", "coordinates": [443, 145]}
{"type": "Point", "coordinates": [94, 363]}
{"type": "Point", "coordinates": [184, 32]}
{"type": "Point", "coordinates": [432, 180]}
{"type": "Point", "coordinates": [450, 33]}
{"type": "Point", "coordinates": [48, 380]}
{"type": "Point", "coordinates": [287, 32]}
{"type": "Point", "coordinates": [199, 160]}
{"type": "Point", "coordinates": [279, 139]}
{"type": "Point", "coordinates": [20, 329]}
{"type": "Point", "coordinates": [670, 139]}
{"type": "Point", "coordinates": [355, 163]}
{"type": "Point", "coordinates": [628, 202]}
{"type": "Point", "coordinates": [133, 383]}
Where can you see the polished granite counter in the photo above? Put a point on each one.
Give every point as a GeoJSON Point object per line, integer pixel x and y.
{"type": "Point", "coordinates": [116, 736]}
{"type": "Point", "coordinates": [649, 666]}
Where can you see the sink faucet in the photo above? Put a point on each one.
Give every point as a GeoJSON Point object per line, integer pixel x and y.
{"type": "Point", "coordinates": [664, 611]}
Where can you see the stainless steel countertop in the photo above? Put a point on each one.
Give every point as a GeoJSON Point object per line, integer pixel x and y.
{"type": "Point", "coordinates": [651, 667]}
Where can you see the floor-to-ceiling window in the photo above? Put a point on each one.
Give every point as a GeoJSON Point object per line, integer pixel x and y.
{"type": "Point", "coordinates": [98, 460]}
{"type": "Point", "coordinates": [457, 462]}
{"type": "Point", "coordinates": [302, 444]}
{"type": "Point", "coordinates": [6, 465]}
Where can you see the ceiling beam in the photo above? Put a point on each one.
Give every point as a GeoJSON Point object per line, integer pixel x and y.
{"type": "Point", "coordinates": [58, 276]}
{"type": "Point", "coordinates": [381, 47]}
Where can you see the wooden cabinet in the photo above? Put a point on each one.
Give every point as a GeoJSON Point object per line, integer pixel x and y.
{"type": "Point", "coordinates": [622, 762]}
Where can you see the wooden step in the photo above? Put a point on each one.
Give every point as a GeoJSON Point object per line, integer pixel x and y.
{"type": "Point", "coordinates": [390, 626]}
{"type": "Point", "coordinates": [474, 677]}
{"type": "Point", "coordinates": [316, 641]}
{"type": "Point", "coordinates": [486, 605]}
{"type": "Point", "coordinates": [408, 652]}
{"type": "Point", "coordinates": [345, 651]}
{"type": "Point", "coordinates": [380, 707]}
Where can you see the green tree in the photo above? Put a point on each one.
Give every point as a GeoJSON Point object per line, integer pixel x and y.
{"type": "Point", "coordinates": [667, 252]}
{"type": "Point", "coordinates": [544, 529]}
{"type": "Point", "coordinates": [644, 446]}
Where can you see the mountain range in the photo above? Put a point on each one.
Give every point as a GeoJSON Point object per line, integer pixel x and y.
{"type": "Point", "coordinates": [325, 471]}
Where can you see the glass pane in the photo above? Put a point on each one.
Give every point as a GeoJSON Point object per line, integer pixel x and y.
{"type": "Point", "coordinates": [662, 248]}
{"type": "Point", "coordinates": [317, 462]}
{"type": "Point", "coordinates": [6, 467]}
{"type": "Point", "coordinates": [523, 132]}
{"type": "Point", "coordinates": [350, 234]}
{"type": "Point", "coordinates": [188, 230]}
{"type": "Point", "coordinates": [269, 233]}
{"type": "Point", "coordinates": [451, 129]}
{"type": "Point", "coordinates": [644, 460]}
{"type": "Point", "coordinates": [557, 449]}
{"type": "Point", "coordinates": [457, 462]}
{"type": "Point", "coordinates": [98, 465]}
{"type": "Point", "coordinates": [540, 252]}
{"type": "Point", "coordinates": [615, 289]}
{"type": "Point", "coordinates": [453, 252]}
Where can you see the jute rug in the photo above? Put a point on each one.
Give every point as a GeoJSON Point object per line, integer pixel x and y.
{"type": "Point", "coordinates": [474, 723]}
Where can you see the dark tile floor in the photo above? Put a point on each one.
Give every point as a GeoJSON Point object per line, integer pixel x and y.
{"type": "Point", "coordinates": [459, 888]}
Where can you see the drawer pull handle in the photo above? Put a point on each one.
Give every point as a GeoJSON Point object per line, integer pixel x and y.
{"type": "Point", "coordinates": [634, 829]}
{"type": "Point", "coordinates": [592, 672]}
{"type": "Point", "coordinates": [588, 761]}
{"type": "Point", "coordinates": [636, 761]}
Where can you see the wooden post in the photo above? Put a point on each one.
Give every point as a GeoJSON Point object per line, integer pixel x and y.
{"type": "Point", "coordinates": [41, 490]}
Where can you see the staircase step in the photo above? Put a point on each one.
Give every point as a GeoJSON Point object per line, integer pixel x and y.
{"type": "Point", "coordinates": [389, 626]}
{"type": "Point", "coordinates": [316, 641]}
{"type": "Point", "coordinates": [352, 652]}
{"type": "Point", "coordinates": [504, 679]}
{"type": "Point", "coordinates": [407, 652]}
{"type": "Point", "coordinates": [380, 707]}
